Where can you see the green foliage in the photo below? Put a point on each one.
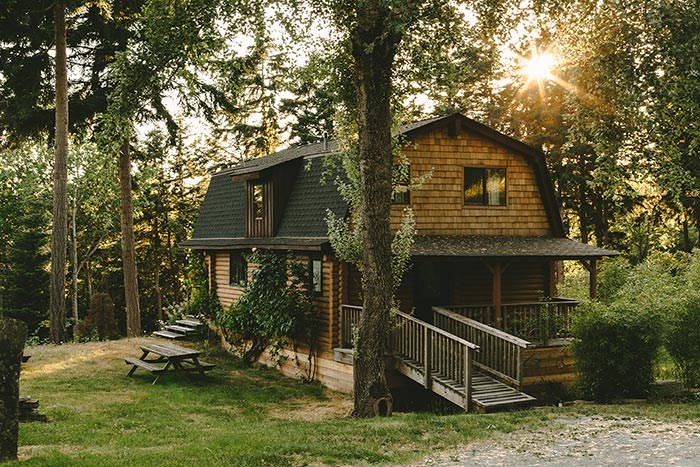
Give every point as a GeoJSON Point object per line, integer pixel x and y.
{"type": "Point", "coordinates": [615, 349]}
{"type": "Point", "coordinates": [683, 340]}
{"type": "Point", "coordinates": [345, 234]}
{"type": "Point", "coordinates": [275, 307]}
{"type": "Point", "coordinates": [101, 321]}
{"type": "Point", "coordinates": [612, 276]}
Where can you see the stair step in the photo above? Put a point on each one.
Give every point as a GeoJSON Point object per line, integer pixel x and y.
{"type": "Point", "coordinates": [190, 322]}
{"type": "Point", "coordinates": [168, 334]}
{"type": "Point", "coordinates": [180, 329]}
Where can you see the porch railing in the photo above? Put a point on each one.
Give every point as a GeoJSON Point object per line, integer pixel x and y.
{"type": "Point", "coordinates": [434, 351]}
{"type": "Point", "coordinates": [349, 320]}
{"type": "Point", "coordinates": [535, 321]}
{"type": "Point", "coordinates": [500, 353]}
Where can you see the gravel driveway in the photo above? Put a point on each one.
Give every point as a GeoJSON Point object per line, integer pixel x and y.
{"type": "Point", "coordinates": [586, 441]}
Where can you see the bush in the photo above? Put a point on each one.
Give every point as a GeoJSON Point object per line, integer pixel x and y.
{"type": "Point", "coordinates": [275, 307]}
{"type": "Point", "coordinates": [615, 349]}
{"type": "Point", "coordinates": [101, 321]}
{"type": "Point", "coordinates": [683, 341]}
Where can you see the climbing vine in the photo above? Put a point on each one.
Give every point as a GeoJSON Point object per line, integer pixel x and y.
{"type": "Point", "coordinates": [275, 309]}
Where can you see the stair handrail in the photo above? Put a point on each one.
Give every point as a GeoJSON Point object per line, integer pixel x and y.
{"type": "Point", "coordinates": [436, 352]}
{"type": "Point", "coordinates": [501, 353]}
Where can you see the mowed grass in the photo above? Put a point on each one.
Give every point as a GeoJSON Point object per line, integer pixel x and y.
{"type": "Point", "coordinates": [235, 416]}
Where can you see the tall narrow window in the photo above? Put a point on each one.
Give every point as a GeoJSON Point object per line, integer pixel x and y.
{"type": "Point", "coordinates": [258, 202]}
{"type": "Point", "coordinates": [316, 274]}
{"type": "Point", "coordinates": [402, 184]}
{"type": "Point", "coordinates": [238, 269]}
{"type": "Point", "coordinates": [485, 186]}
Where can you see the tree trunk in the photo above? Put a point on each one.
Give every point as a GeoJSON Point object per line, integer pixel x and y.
{"type": "Point", "coordinates": [131, 286]}
{"type": "Point", "coordinates": [74, 257]}
{"type": "Point", "coordinates": [59, 229]}
{"type": "Point", "coordinates": [13, 333]}
{"type": "Point", "coordinates": [373, 48]}
{"type": "Point", "coordinates": [156, 260]}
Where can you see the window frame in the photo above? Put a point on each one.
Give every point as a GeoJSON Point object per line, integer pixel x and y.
{"type": "Point", "coordinates": [258, 188]}
{"type": "Point", "coordinates": [235, 260]}
{"type": "Point", "coordinates": [314, 286]}
{"type": "Point", "coordinates": [484, 192]}
{"type": "Point", "coordinates": [407, 193]}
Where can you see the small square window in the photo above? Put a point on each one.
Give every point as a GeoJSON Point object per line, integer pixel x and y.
{"type": "Point", "coordinates": [486, 187]}
{"type": "Point", "coordinates": [316, 275]}
{"type": "Point", "coordinates": [238, 269]}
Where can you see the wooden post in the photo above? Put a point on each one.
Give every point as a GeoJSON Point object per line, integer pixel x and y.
{"type": "Point", "coordinates": [593, 283]}
{"type": "Point", "coordinates": [467, 378]}
{"type": "Point", "coordinates": [426, 357]}
{"type": "Point", "coordinates": [496, 293]}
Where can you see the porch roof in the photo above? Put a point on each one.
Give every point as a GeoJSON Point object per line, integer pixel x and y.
{"type": "Point", "coordinates": [506, 247]}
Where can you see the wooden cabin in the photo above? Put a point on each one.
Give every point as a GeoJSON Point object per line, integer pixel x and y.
{"type": "Point", "coordinates": [480, 319]}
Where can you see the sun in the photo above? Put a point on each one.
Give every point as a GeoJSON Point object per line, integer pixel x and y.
{"type": "Point", "coordinates": [538, 67]}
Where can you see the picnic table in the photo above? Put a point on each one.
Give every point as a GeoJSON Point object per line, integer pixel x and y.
{"type": "Point", "coordinates": [179, 359]}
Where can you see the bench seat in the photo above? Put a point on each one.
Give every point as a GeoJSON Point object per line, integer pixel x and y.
{"type": "Point", "coordinates": [144, 364]}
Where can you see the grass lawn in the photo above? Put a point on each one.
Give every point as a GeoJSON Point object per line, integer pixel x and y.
{"type": "Point", "coordinates": [236, 416]}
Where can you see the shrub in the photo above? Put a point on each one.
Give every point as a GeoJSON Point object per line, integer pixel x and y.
{"type": "Point", "coordinates": [615, 349]}
{"type": "Point", "coordinates": [100, 321]}
{"type": "Point", "coordinates": [683, 341]}
{"type": "Point", "coordinates": [275, 307]}
{"type": "Point", "coordinates": [612, 277]}
{"type": "Point", "coordinates": [31, 317]}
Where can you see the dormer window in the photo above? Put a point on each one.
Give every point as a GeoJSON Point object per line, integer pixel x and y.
{"type": "Point", "coordinates": [260, 208]}
{"type": "Point", "coordinates": [258, 201]}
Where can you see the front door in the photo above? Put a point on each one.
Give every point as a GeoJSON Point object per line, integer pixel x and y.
{"type": "Point", "coordinates": [432, 287]}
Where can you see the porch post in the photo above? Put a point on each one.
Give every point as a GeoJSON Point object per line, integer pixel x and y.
{"type": "Point", "coordinates": [496, 293]}
{"type": "Point", "coordinates": [593, 282]}
{"type": "Point", "coordinates": [592, 268]}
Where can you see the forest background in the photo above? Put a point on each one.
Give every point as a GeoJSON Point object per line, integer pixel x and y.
{"type": "Point", "coordinates": [204, 85]}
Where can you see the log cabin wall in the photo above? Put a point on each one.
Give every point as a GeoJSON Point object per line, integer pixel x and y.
{"type": "Point", "coordinates": [438, 206]}
{"type": "Point", "coordinates": [327, 301]}
{"type": "Point", "coordinates": [335, 375]}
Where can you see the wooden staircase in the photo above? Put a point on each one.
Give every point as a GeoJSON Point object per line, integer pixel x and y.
{"type": "Point", "coordinates": [454, 367]}
{"type": "Point", "coordinates": [181, 329]}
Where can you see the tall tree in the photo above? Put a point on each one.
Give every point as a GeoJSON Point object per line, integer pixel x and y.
{"type": "Point", "coordinates": [59, 229]}
{"type": "Point", "coordinates": [375, 34]}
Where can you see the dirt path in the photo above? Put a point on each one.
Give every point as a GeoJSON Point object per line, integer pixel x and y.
{"type": "Point", "coordinates": [586, 441]}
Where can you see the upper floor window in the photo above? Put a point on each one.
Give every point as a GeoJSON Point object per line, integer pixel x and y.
{"type": "Point", "coordinates": [316, 274]}
{"type": "Point", "coordinates": [402, 184]}
{"type": "Point", "coordinates": [237, 269]}
{"type": "Point", "coordinates": [485, 186]}
{"type": "Point", "coordinates": [258, 201]}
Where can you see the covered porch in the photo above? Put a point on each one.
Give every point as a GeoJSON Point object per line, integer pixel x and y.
{"type": "Point", "coordinates": [484, 306]}
{"type": "Point", "coordinates": [508, 283]}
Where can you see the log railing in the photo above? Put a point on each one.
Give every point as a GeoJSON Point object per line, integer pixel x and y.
{"type": "Point", "coordinates": [536, 321]}
{"type": "Point", "coordinates": [435, 351]}
{"type": "Point", "coordinates": [500, 353]}
{"type": "Point", "coordinates": [349, 320]}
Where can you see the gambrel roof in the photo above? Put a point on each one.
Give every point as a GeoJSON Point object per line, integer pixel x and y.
{"type": "Point", "coordinates": [222, 222]}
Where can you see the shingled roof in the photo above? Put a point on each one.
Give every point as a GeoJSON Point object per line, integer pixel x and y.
{"type": "Point", "coordinates": [506, 247]}
{"type": "Point", "coordinates": [221, 222]}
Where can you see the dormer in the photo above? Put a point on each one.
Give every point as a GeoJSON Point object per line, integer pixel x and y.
{"type": "Point", "coordinates": [266, 193]}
